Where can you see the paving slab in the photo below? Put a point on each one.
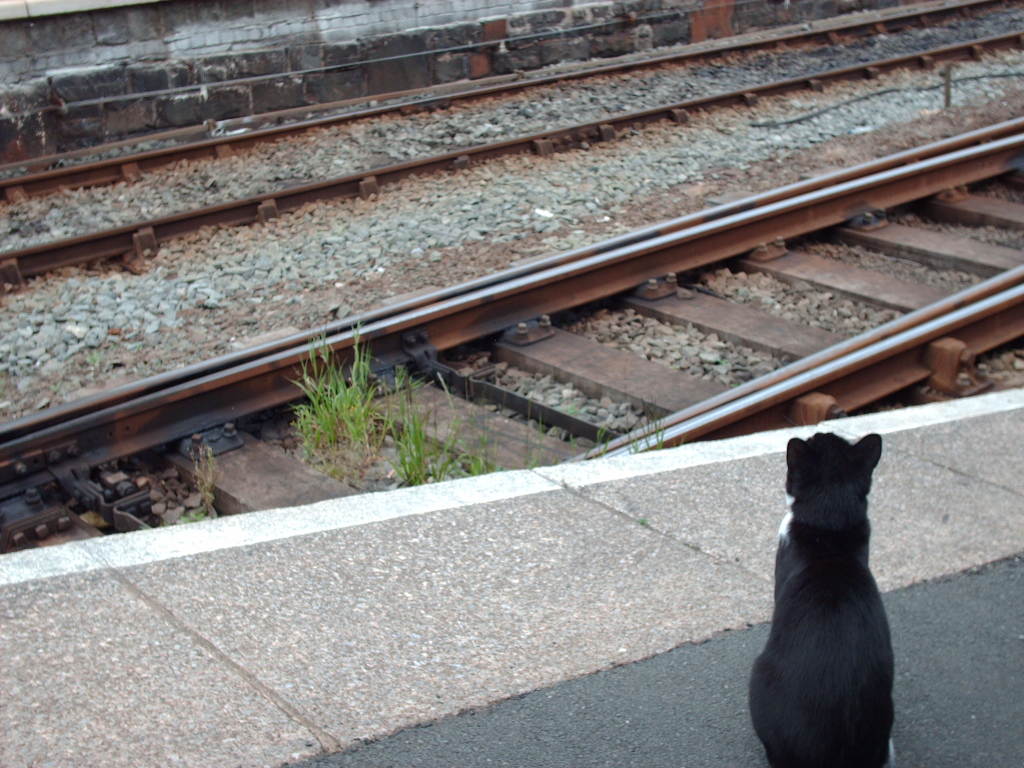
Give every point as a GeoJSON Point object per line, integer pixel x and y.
{"type": "Point", "coordinates": [374, 628]}
{"type": "Point", "coordinates": [90, 675]}
{"type": "Point", "coordinates": [988, 447]}
{"type": "Point", "coordinates": [927, 520]}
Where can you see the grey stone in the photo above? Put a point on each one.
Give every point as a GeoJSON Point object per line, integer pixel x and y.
{"type": "Point", "coordinates": [180, 109]}
{"type": "Point", "coordinates": [80, 124]}
{"type": "Point", "coordinates": [65, 33]}
{"type": "Point", "coordinates": [335, 54]}
{"type": "Point", "coordinates": [305, 56]}
{"type": "Point", "coordinates": [128, 117]}
{"type": "Point", "coordinates": [93, 84]}
{"type": "Point", "coordinates": [227, 101]}
{"type": "Point", "coordinates": [449, 67]}
{"type": "Point", "coordinates": [526, 56]}
{"type": "Point", "coordinates": [280, 93]}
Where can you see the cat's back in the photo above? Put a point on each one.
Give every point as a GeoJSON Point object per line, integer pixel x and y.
{"type": "Point", "coordinates": [829, 624]}
{"type": "Point", "coordinates": [820, 693]}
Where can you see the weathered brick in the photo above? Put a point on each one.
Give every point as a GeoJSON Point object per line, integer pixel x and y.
{"type": "Point", "coordinates": [337, 85]}
{"type": "Point", "coordinates": [393, 45]}
{"type": "Point", "coordinates": [227, 101]}
{"type": "Point", "coordinates": [398, 75]}
{"type": "Point", "coordinates": [22, 138]}
{"type": "Point", "coordinates": [70, 32]}
{"type": "Point", "coordinates": [747, 15]}
{"type": "Point", "coordinates": [527, 56]}
{"type": "Point", "coordinates": [449, 67]}
{"type": "Point", "coordinates": [79, 126]}
{"type": "Point", "coordinates": [305, 56]}
{"type": "Point", "coordinates": [635, 6]}
{"type": "Point", "coordinates": [494, 29]}
{"type": "Point", "coordinates": [14, 39]}
{"type": "Point", "coordinates": [452, 36]}
{"type": "Point", "coordinates": [126, 25]}
{"type": "Point", "coordinates": [214, 69]}
{"type": "Point", "coordinates": [341, 53]}
{"type": "Point", "coordinates": [91, 84]}
{"type": "Point", "coordinates": [126, 118]}
{"type": "Point", "coordinates": [408, 71]}
{"type": "Point", "coordinates": [614, 43]}
{"type": "Point", "coordinates": [29, 97]}
{"type": "Point", "coordinates": [179, 109]}
{"type": "Point", "coordinates": [671, 32]}
{"type": "Point", "coordinates": [479, 65]}
{"type": "Point", "coordinates": [563, 49]}
{"type": "Point", "coordinates": [188, 13]}
{"type": "Point", "coordinates": [158, 77]}
{"type": "Point", "coordinates": [280, 93]}
{"type": "Point", "coordinates": [543, 19]}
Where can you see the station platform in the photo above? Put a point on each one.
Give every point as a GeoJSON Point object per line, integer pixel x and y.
{"type": "Point", "coordinates": [285, 635]}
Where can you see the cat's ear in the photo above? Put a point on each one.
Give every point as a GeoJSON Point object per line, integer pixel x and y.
{"type": "Point", "coordinates": [869, 450]}
{"type": "Point", "coordinates": [796, 452]}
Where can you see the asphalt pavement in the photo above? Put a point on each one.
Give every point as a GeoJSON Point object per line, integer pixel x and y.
{"type": "Point", "coordinates": [959, 644]}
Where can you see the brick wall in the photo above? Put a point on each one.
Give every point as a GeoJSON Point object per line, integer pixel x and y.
{"type": "Point", "coordinates": [196, 48]}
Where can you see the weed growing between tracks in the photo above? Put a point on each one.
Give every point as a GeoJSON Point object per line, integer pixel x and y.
{"type": "Point", "coordinates": [205, 467]}
{"type": "Point", "coordinates": [350, 423]}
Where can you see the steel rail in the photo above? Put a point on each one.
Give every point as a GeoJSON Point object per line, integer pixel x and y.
{"type": "Point", "coordinates": [125, 392]}
{"type": "Point", "coordinates": [976, 315]}
{"type": "Point", "coordinates": [163, 414]}
{"type": "Point", "coordinates": [116, 169]}
{"type": "Point", "coordinates": [141, 236]}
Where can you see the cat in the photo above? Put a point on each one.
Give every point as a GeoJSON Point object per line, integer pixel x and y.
{"type": "Point", "coordinates": [821, 691]}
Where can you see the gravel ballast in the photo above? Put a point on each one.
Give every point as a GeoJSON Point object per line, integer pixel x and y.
{"type": "Point", "coordinates": [683, 347]}
{"type": "Point", "coordinates": [950, 280]}
{"type": "Point", "coordinates": [367, 144]}
{"type": "Point", "coordinates": [1008, 238]}
{"type": "Point", "coordinates": [797, 302]}
{"type": "Point", "coordinates": [207, 292]}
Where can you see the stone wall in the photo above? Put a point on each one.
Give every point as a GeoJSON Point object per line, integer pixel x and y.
{"type": "Point", "coordinates": [79, 79]}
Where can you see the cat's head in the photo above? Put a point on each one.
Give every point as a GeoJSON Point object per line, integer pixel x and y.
{"type": "Point", "coordinates": [829, 478]}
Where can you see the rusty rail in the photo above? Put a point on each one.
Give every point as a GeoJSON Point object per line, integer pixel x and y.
{"type": "Point", "coordinates": [39, 447]}
{"type": "Point", "coordinates": [849, 375]}
{"type": "Point", "coordinates": [832, 178]}
{"type": "Point", "coordinates": [129, 166]}
{"type": "Point", "coordinates": [140, 238]}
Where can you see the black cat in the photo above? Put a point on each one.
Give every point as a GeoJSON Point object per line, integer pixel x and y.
{"type": "Point", "coordinates": [821, 691]}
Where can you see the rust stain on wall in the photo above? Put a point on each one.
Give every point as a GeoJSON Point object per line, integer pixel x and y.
{"type": "Point", "coordinates": [714, 19]}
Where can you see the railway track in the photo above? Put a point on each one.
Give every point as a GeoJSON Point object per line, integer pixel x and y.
{"type": "Point", "coordinates": [66, 170]}
{"type": "Point", "coordinates": [53, 455]}
{"type": "Point", "coordinates": [135, 242]}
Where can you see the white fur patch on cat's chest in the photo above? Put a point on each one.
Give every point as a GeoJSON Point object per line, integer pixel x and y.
{"type": "Point", "coordinates": [784, 525]}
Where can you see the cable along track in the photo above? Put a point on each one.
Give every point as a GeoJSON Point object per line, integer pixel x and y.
{"type": "Point", "coordinates": [135, 242]}
{"type": "Point", "coordinates": [64, 172]}
{"type": "Point", "coordinates": [52, 453]}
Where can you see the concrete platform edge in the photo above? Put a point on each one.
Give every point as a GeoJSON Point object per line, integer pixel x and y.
{"type": "Point", "coordinates": [242, 530]}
